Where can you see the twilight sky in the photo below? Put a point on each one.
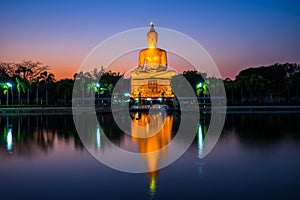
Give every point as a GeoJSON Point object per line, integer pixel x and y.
{"type": "Point", "coordinates": [236, 34]}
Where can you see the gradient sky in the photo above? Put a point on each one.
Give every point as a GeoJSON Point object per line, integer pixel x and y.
{"type": "Point", "coordinates": [237, 34]}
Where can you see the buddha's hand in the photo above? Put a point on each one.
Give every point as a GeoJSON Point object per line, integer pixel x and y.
{"type": "Point", "coordinates": [138, 69]}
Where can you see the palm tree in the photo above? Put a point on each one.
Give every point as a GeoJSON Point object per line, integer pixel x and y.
{"type": "Point", "coordinates": [81, 79]}
{"type": "Point", "coordinates": [253, 83]}
{"type": "Point", "coordinates": [202, 88]}
{"type": "Point", "coordinates": [47, 78]}
{"type": "Point", "coordinates": [260, 85]}
{"type": "Point", "coordinates": [30, 85]}
{"type": "Point", "coordinates": [5, 91]}
{"type": "Point", "coordinates": [216, 86]}
{"type": "Point", "coordinates": [36, 82]}
{"type": "Point", "coordinates": [25, 73]}
{"type": "Point", "coordinates": [106, 89]}
{"type": "Point", "coordinates": [96, 88]}
{"type": "Point", "coordinates": [97, 74]}
{"type": "Point", "coordinates": [64, 87]}
{"type": "Point", "coordinates": [93, 87]}
{"type": "Point", "coordinates": [21, 86]}
{"type": "Point", "coordinates": [240, 82]}
{"type": "Point", "coordinates": [250, 84]}
{"type": "Point", "coordinates": [230, 85]}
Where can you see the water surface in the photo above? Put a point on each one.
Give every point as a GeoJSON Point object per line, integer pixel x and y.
{"type": "Point", "coordinates": [257, 156]}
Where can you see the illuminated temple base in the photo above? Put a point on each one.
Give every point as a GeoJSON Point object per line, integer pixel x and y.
{"type": "Point", "coordinates": [148, 86]}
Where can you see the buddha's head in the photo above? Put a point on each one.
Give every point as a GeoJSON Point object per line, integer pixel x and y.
{"type": "Point", "coordinates": [152, 37]}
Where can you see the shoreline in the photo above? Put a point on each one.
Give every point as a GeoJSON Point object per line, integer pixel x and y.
{"type": "Point", "coordinates": [69, 109]}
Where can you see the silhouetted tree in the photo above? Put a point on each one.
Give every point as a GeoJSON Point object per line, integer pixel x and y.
{"type": "Point", "coordinates": [47, 78]}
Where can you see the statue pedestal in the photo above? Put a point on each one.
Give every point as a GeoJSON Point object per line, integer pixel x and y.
{"type": "Point", "coordinates": [152, 85]}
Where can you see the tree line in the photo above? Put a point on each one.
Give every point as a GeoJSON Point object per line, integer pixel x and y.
{"type": "Point", "coordinates": [273, 84]}
{"type": "Point", "coordinates": [31, 83]}
{"type": "Point", "coordinates": [277, 83]}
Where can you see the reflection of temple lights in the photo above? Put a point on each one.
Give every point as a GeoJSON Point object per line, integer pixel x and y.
{"type": "Point", "coordinates": [162, 136]}
{"type": "Point", "coordinates": [9, 139]}
{"type": "Point", "coordinates": [148, 99]}
{"type": "Point", "coordinates": [98, 139]}
{"type": "Point", "coordinates": [200, 140]}
{"type": "Point", "coordinates": [152, 185]}
{"type": "Point", "coordinates": [159, 99]}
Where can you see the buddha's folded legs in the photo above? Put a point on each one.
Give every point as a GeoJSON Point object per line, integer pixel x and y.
{"type": "Point", "coordinates": [145, 74]}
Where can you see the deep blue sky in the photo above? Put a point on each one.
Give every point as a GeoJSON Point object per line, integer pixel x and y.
{"type": "Point", "coordinates": [237, 34]}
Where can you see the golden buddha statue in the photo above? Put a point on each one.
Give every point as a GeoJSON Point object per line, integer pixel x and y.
{"type": "Point", "coordinates": [152, 78]}
{"type": "Point", "coordinates": [152, 60]}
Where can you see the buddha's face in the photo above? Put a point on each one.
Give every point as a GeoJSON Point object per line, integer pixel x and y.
{"type": "Point", "coordinates": [152, 40]}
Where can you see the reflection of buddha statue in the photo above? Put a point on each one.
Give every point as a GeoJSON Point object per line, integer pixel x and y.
{"type": "Point", "coordinates": [152, 143]}
{"type": "Point", "coordinates": [154, 59]}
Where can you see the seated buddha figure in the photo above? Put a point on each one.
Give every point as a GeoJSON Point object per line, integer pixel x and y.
{"type": "Point", "coordinates": [152, 60]}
